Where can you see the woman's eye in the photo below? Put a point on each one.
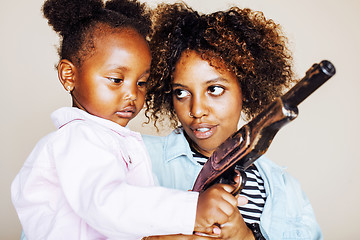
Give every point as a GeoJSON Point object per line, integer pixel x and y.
{"type": "Point", "coordinates": [116, 80]}
{"type": "Point", "coordinates": [216, 90]}
{"type": "Point", "coordinates": [180, 93]}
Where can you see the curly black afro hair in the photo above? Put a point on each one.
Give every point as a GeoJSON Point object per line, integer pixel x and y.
{"type": "Point", "coordinates": [243, 40]}
{"type": "Point", "coordinates": [77, 20]}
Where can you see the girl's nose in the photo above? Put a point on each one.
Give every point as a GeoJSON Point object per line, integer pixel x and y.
{"type": "Point", "coordinates": [131, 93]}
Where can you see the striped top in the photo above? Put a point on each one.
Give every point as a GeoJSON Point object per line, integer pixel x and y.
{"type": "Point", "coordinates": [253, 190]}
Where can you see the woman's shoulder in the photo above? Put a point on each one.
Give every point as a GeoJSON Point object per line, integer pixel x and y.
{"type": "Point", "coordinates": [174, 137]}
{"type": "Point", "coordinates": [265, 163]}
{"type": "Point", "coordinates": [273, 173]}
{"type": "Point", "coordinates": [153, 138]}
{"type": "Point", "coordinates": [171, 145]}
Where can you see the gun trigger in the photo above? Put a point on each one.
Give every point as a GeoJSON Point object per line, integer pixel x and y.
{"type": "Point", "coordinates": [240, 184]}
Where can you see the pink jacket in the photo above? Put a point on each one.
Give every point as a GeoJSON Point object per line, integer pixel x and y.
{"type": "Point", "coordinates": [92, 179]}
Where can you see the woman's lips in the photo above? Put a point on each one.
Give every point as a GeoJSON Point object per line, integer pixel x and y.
{"type": "Point", "coordinates": [203, 131]}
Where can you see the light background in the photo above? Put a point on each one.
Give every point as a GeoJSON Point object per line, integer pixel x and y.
{"type": "Point", "coordinates": [320, 148]}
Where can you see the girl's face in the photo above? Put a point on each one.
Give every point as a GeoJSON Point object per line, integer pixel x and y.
{"type": "Point", "coordinates": [111, 83]}
{"type": "Point", "coordinates": [208, 102]}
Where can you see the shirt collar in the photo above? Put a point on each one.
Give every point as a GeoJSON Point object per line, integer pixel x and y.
{"type": "Point", "coordinates": [177, 145]}
{"type": "Point", "coordinates": [66, 115]}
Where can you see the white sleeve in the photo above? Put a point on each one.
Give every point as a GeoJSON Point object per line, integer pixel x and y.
{"type": "Point", "coordinates": [93, 179]}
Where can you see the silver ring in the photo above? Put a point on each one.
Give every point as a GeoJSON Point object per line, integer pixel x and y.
{"type": "Point", "coordinates": [190, 115]}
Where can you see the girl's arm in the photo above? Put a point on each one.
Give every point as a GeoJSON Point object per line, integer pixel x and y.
{"type": "Point", "coordinates": [115, 193]}
{"type": "Point", "coordinates": [96, 185]}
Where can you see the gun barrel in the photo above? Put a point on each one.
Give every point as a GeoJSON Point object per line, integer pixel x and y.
{"type": "Point", "coordinates": [316, 76]}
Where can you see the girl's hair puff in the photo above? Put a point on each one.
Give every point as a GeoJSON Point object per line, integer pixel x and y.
{"type": "Point", "coordinates": [242, 40]}
{"type": "Point", "coordinates": [78, 21]}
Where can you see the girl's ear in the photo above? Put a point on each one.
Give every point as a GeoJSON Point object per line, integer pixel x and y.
{"type": "Point", "coordinates": [66, 73]}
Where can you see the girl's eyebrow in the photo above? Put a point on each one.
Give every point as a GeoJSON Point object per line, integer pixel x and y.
{"type": "Point", "coordinates": [116, 67]}
{"type": "Point", "coordinates": [147, 72]}
{"type": "Point", "coordinates": [124, 69]}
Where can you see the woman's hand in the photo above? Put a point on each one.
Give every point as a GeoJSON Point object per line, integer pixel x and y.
{"type": "Point", "coordinates": [215, 206]}
{"type": "Point", "coordinates": [235, 228]}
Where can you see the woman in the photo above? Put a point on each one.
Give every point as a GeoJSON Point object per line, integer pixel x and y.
{"type": "Point", "coordinates": [207, 70]}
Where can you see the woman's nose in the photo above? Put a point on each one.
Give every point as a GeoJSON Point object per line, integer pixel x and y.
{"type": "Point", "coordinates": [198, 108]}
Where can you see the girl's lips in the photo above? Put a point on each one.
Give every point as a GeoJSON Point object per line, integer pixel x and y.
{"type": "Point", "coordinates": [127, 112]}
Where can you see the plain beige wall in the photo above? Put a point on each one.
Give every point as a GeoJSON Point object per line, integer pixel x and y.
{"type": "Point", "coordinates": [320, 148]}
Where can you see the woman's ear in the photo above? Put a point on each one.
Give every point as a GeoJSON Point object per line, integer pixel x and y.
{"type": "Point", "coordinates": [66, 73]}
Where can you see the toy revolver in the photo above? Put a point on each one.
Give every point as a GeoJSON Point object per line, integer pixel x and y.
{"type": "Point", "coordinates": [245, 146]}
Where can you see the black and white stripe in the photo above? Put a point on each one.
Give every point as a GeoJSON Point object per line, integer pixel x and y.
{"type": "Point", "coordinates": [253, 190]}
{"type": "Point", "coordinates": [201, 159]}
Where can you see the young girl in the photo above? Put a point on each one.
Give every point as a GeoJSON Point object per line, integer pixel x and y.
{"type": "Point", "coordinates": [92, 178]}
{"type": "Point", "coordinates": [207, 70]}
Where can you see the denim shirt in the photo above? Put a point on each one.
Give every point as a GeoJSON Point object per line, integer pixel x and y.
{"type": "Point", "coordinates": [287, 213]}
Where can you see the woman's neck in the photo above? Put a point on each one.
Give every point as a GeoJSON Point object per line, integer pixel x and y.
{"type": "Point", "coordinates": [196, 147]}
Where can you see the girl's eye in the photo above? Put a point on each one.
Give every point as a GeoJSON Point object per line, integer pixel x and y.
{"type": "Point", "coordinates": [216, 90]}
{"type": "Point", "coordinates": [141, 83]}
{"type": "Point", "coordinates": [180, 93]}
{"type": "Point", "coordinates": [116, 80]}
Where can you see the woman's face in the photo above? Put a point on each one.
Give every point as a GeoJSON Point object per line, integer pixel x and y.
{"type": "Point", "coordinates": [207, 101]}
{"type": "Point", "coordinates": [111, 83]}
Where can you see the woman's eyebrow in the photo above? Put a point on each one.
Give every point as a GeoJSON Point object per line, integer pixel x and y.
{"type": "Point", "coordinates": [177, 85]}
{"type": "Point", "coordinates": [208, 82]}
{"type": "Point", "coordinates": [218, 79]}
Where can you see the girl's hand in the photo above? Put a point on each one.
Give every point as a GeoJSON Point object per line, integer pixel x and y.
{"type": "Point", "coordinates": [179, 237]}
